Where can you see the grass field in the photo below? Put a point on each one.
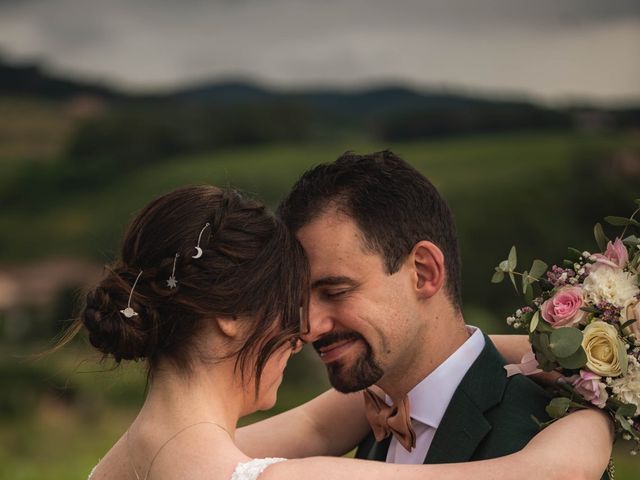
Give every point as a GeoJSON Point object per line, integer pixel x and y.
{"type": "Point", "coordinates": [475, 174]}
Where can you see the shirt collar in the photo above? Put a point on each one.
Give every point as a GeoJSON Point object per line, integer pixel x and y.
{"type": "Point", "coordinates": [430, 398]}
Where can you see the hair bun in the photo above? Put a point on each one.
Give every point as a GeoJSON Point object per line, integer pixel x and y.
{"type": "Point", "coordinates": [109, 330]}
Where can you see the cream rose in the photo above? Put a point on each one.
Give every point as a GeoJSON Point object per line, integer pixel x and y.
{"type": "Point", "coordinates": [603, 347]}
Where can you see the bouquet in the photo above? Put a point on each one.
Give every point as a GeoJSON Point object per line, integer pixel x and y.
{"type": "Point", "coordinates": [583, 320]}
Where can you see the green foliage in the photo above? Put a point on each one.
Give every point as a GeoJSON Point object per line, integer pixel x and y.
{"type": "Point", "coordinates": [558, 407]}
{"type": "Point", "coordinates": [576, 360]}
{"type": "Point", "coordinates": [601, 238]}
{"type": "Point", "coordinates": [564, 342]}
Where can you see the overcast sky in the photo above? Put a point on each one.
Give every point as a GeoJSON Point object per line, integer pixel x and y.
{"type": "Point", "coordinates": [550, 49]}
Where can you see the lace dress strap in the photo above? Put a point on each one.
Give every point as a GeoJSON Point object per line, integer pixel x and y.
{"type": "Point", "coordinates": [252, 469]}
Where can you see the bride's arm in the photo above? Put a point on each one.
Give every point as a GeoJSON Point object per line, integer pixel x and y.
{"type": "Point", "coordinates": [575, 447]}
{"type": "Point", "coordinates": [331, 424]}
{"type": "Point", "coordinates": [334, 423]}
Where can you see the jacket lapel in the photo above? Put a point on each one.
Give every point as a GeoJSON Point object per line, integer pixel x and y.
{"type": "Point", "coordinates": [369, 449]}
{"type": "Point", "coordinates": [464, 425]}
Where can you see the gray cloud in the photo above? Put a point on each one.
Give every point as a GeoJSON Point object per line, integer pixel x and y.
{"type": "Point", "coordinates": [546, 48]}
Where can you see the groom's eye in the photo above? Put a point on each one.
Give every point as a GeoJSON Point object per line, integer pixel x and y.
{"type": "Point", "coordinates": [334, 294]}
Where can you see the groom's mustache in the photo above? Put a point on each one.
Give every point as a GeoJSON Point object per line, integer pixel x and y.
{"type": "Point", "coordinates": [334, 337]}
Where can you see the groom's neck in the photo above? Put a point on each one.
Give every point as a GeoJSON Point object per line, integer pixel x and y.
{"type": "Point", "coordinates": [443, 337]}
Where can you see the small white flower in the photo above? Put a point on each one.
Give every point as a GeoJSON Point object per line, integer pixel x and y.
{"type": "Point", "coordinates": [586, 254]}
{"type": "Point", "coordinates": [518, 312]}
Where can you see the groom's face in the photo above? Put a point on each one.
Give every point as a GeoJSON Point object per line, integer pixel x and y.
{"type": "Point", "coordinates": [361, 318]}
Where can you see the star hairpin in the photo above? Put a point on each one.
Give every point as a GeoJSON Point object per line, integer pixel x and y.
{"type": "Point", "coordinates": [172, 282]}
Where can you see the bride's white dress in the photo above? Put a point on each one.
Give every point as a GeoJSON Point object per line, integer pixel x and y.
{"type": "Point", "coordinates": [253, 468]}
{"type": "Point", "coordinates": [250, 470]}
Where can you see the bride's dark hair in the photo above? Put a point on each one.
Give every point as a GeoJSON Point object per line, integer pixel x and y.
{"type": "Point", "coordinates": [252, 269]}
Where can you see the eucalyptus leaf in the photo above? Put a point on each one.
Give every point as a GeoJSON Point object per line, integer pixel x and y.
{"type": "Point", "coordinates": [543, 326]}
{"type": "Point", "coordinates": [628, 323]}
{"type": "Point", "coordinates": [558, 407]}
{"type": "Point", "coordinates": [567, 263]}
{"type": "Point", "coordinates": [626, 410]}
{"type": "Point", "coordinates": [601, 238]}
{"type": "Point", "coordinates": [528, 294]}
{"type": "Point", "coordinates": [525, 282]}
{"type": "Point", "coordinates": [534, 321]}
{"type": "Point", "coordinates": [497, 277]}
{"type": "Point", "coordinates": [624, 423]}
{"type": "Point", "coordinates": [621, 221]}
{"type": "Point", "coordinates": [637, 200]}
{"type": "Point", "coordinates": [513, 258]}
{"type": "Point", "coordinates": [575, 361]}
{"type": "Point", "coordinates": [513, 281]}
{"type": "Point", "coordinates": [565, 341]}
{"type": "Point", "coordinates": [546, 348]}
{"type": "Point", "coordinates": [504, 266]}
{"type": "Point", "coordinates": [540, 424]}
{"type": "Point", "coordinates": [631, 240]}
{"type": "Point", "coordinates": [538, 268]}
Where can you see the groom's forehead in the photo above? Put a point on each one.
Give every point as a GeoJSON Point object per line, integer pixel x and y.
{"type": "Point", "coordinates": [336, 249]}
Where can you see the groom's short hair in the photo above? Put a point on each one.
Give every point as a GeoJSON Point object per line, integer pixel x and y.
{"type": "Point", "coordinates": [393, 204]}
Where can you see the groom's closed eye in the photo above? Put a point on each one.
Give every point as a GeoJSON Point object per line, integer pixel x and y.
{"type": "Point", "coordinates": [334, 294]}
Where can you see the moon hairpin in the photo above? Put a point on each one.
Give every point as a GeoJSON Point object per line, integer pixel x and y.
{"type": "Point", "coordinates": [130, 312]}
{"type": "Point", "coordinates": [172, 282]}
{"type": "Point", "coordinates": [198, 249]}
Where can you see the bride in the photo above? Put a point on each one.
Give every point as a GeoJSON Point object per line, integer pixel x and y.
{"type": "Point", "coordinates": [208, 291]}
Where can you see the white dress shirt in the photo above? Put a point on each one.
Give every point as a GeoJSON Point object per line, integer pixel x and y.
{"type": "Point", "coordinates": [430, 398]}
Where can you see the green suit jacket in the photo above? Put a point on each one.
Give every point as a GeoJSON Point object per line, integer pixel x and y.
{"type": "Point", "coordinates": [489, 415]}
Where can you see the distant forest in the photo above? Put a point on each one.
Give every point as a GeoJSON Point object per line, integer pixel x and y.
{"type": "Point", "coordinates": [125, 130]}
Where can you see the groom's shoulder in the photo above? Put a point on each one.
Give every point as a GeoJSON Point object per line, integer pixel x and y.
{"type": "Point", "coordinates": [522, 401]}
{"type": "Point", "coordinates": [514, 403]}
{"type": "Point", "coordinates": [520, 395]}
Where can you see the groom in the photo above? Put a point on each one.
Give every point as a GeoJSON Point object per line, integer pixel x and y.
{"type": "Point", "coordinates": [386, 310]}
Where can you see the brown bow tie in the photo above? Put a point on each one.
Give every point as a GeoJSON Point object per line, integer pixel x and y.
{"type": "Point", "coordinates": [386, 420]}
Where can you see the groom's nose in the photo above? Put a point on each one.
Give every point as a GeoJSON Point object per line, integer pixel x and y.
{"type": "Point", "coordinates": [320, 322]}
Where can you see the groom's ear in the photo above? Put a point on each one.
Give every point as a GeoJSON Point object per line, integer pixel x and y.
{"type": "Point", "coordinates": [429, 269]}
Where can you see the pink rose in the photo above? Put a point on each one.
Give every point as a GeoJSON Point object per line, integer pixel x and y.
{"type": "Point", "coordinates": [588, 385]}
{"type": "Point", "coordinates": [564, 307]}
{"type": "Point", "coordinates": [615, 256]}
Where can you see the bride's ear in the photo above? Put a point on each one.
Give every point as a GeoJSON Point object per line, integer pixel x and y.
{"type": "Point", "coordinates": [429, 268]}
{"type": "Point", "coordinates": [228, 326]}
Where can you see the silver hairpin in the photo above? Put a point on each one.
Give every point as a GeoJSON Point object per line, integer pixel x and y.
{"type": "Point", "coordinates": [172, 282]}
{"type": "Point", "coordinates": [130, 312]}
{"type": "Point", "coordinates": [198, 249]}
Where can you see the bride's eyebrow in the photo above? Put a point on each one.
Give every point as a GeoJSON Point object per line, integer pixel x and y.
{"type": "Point", "coordinates": [333, 281]}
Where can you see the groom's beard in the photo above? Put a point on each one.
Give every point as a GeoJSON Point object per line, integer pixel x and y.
{"type": "Point", "coordinates": [354, 376]}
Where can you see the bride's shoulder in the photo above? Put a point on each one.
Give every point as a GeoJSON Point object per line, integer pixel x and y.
{"type": "Point", "coordinates": [251, 469]}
